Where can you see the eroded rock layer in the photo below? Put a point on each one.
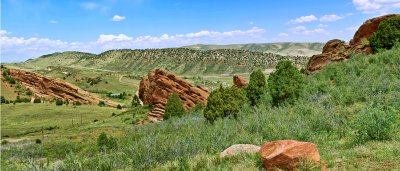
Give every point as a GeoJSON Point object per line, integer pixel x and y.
{"type": "Point", "coordinates": [155, 88]}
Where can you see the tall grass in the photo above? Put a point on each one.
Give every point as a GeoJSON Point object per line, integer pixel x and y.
{"type": "Point", "coordinates": [344, 108]}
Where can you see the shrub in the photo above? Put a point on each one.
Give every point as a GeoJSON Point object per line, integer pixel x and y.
{"type": "Point", "coordinates": [119, 106]}
{"type": "Point", "coordinates": [77, 103]}
{"type": "Point", "coordinates": [37, 100]}
{"type": "Point", "coordinates": [256, 87]}
{"type": "Point", "coordinates": [102, 104]}
{"type": "Point", "coordinates": [6, 72]}
{"type": "Point", "coordinates": [285, 84]}
{"type": "Point", "coordinates": [174, 107]}
{"type": "Point", "coordinates": [104, 142]}
{"type": "Point", "coordinates": [2, 100]}
{"type": "Point", "coordinates": [59, 102]}
{"type": "Point", "coordinates": [224, 102]}
{"type": "Point", "coordinates": [38, 141]}
{"type": "Point", "coordinates": [135, 101]}
{"type": "Point", "coordinates": [387, 35]}
{"type": "Point", "coordinates": [375, 124]}
{"type": "Point", "coordinates": [95, 120]}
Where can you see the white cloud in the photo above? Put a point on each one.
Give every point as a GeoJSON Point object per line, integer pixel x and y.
{"type": "Point", "coordinates": [304, 31]}
{"type": "Point", "coordinates": [4, 32]}
{"type": "Point", "coordinates": [304, 19]}
{"type": "Point", "coordinates": [297, 29]}
{"type": "Point", "coordinates": [53, 21]}
{"type": "Point", "coordinates": [103, 38]}
{"type": "Point", "coordinates": [118, 18]}
{"type": "Point", "coordinates": [89, 5]}
{"type": "Point", "coordinates": [330, 18]}
{"type": "Point", "coordinates": [377, 6]}
{"type": "Point", "coordinates": [322, 25]}
{"type": "Point", "coordinates": [283, 34]}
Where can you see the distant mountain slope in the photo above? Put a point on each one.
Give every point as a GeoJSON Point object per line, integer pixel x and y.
{"type": "Point", "coordinates": [177, 60]}
{"type": "Point", "coordinates": [284, 48]}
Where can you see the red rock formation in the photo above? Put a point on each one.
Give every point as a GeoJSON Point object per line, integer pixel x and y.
{"type": "Point", "coordinates": [287, 154]}
{"type": "Point", "coordinates": [159, 84]}
{"type": "Point", "coordinates": [337, 50]}
{"type": "Point", "coordinates": [239, 81]}
{"type": "Point", "coordinates": [43, 86]}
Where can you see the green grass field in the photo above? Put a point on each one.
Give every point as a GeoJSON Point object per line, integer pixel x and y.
{"type": "Point", "coordinates": [22, 119]}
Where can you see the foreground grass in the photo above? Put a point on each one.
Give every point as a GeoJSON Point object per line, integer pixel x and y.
{"type": "Point", "coordinates": [332, 113]}
{"type": "Point", "coordinates": [24, 118]}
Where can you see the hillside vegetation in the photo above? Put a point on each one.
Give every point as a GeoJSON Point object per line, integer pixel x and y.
{"type": "Point", "coordinates": [350, 110]}
{"type": "Point", "coordinates": [178, 60]}
{"type": "Point", "coordinates": [284, 48]}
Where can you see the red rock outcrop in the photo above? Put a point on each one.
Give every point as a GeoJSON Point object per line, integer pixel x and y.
{"type": "Point", "coordinates": [337, 50]}
{"type": "Point", "coordinates": [43, 86]}
{"type": "Point", "coordinates": [239, 81]}
{"type": "Point", "coordinates": [159, 84]}
{"type": "Point", "coordinates": [288, 154]}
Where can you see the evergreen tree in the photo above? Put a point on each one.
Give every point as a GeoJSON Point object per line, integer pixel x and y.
{"type": "Point", "coordinates": [285, 84]}
{"type": "Point", "coordinates": [135, 101]}
{"type": "Point", "coordinates": [224, 102]}
{"type": "Point", "coordinates": [256, 87]}
{"type": "Point", "coordinates": [174, 107]}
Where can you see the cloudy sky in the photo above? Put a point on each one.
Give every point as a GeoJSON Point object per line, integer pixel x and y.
{"type": "Point", "coordinates": [33, 28]}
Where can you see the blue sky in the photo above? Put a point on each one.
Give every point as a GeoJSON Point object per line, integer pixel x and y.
{"type": "Point", "coordinates": [33, 28]}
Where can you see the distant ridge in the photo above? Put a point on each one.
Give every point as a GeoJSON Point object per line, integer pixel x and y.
{"type": "Point", "coordinates": [177, 60]}
{"type": "Point", "coordinates": [281, 48]}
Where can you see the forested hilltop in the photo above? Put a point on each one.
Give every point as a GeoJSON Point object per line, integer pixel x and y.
{"type": "Point", "coordinates": [177, 60]}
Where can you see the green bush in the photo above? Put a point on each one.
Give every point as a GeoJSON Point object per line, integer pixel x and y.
{"type": "Point", "coordinates": [224, 102]}
{"type": "Point", "coordinates": [37, 100]}
{"type": "Point", "coordinates": [285, 84]}
{"type": "Point", "coordinates": [77, 103]}
{"type": "Point", "coordinates": [256, 87]}
{"type": "Point", "coordinates": [104, 142]}
{"type": "Point", "coordinates": [38, 141]}
{"type": "Point", "coordinates": [174, 107]}
{"type": "Point", "coordinates": [6, 72]}
{"type": "Point", "coordinates": [59, 102]}
{"type": "Point", "coordinates": [119, 106]}
{"type": "Point", "coordinates": [387, 35]}
{"type": "Point", "coordinates": [102, 104]}
{"type": "Point", "coordinates": [135, 101]}
{"type": "Point", "coordinates": [376, 124]}
{"type": "Point", "coordinates": [2, 100]}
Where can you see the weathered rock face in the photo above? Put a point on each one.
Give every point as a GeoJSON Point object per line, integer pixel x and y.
{"type": "Point", "coordinates": [43, 86]}
{"type": "Point", "coordinates": [287, 154]}
{"type": "Point", "coordinates": [337, 50]}
{"type": "Point", "coordinates": [239, 81]}
{"type": "Point", "coordinates": [159, 84]}
{"type": "Point", "coordinates": [239, 148]}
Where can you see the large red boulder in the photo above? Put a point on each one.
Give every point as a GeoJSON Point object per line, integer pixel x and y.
{"type": "Point", "coordinates": [288, 154]}
{"type": "Point", "coordinates": [159, 84]}
{"type": "Point", "coordinates": [337, 50]}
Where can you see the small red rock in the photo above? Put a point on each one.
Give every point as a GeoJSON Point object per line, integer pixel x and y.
{"type": "Point", "coordinates": [239, 81]}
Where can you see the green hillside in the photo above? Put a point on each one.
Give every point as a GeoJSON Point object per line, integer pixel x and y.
{"type": "Point", "coordinates": [283, 48]}
{"type": "Point", "coordinates": [349, 109]}
{"type": "Point", "coordinates": [182, 61]}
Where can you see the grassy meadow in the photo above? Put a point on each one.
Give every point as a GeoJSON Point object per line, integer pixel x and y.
{"type": "Point", "coordinates": [350, 110]}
